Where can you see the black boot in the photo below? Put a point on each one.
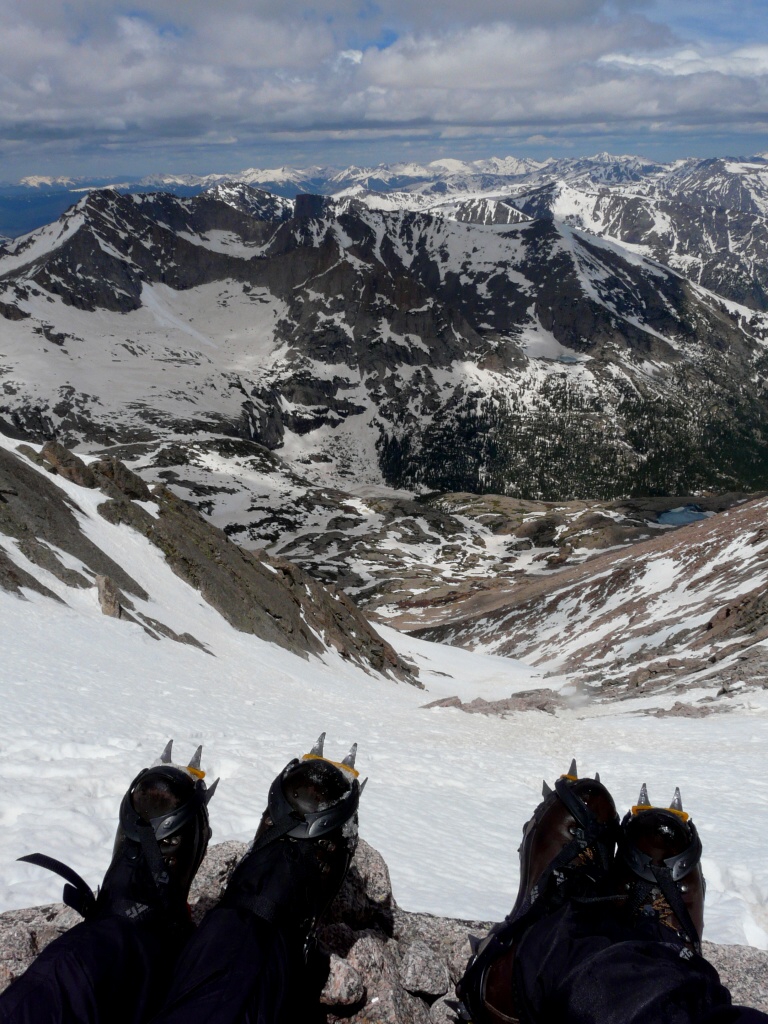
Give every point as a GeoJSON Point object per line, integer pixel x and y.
{"type": "Point", "coordinates": [161, 839]}
{"type": "Point", "coordinates": [659, 870]}
{"type": "Point", "coordinates": [303, 846]}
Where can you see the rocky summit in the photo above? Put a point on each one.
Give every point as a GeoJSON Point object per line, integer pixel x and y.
{"type": "Point", "coordinates": [530, 355]}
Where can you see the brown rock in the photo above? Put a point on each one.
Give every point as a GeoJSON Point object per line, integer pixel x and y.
{"type": "Point", "coordinates": [67, 464]}
{"type": "Point", "coordinates": [344, 986]}
{"type": "Point", "coordinates": [681, 710]}
{"type": "Point", "coordinates": [109, 597]}
{"type": "Point", "coordinates": [422, 972]}
{"type": "Point", "coordinates": [122, 480]}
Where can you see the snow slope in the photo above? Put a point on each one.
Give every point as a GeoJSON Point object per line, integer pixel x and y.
{"type": "Point", "coordinates": [90, 700]}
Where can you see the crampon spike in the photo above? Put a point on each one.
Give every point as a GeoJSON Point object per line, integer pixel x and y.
{"type": "Point", "coordinates": [362, 786]}
{"type": "Point", "coordinates": [643, 803]}
{"type": "Point", "coordinates": [317, 750]}
{"type": "Point", "coordinates": [572, 773]}
{"type": "Point", "coordinates": [546, 789]}
{"type": "Point", "coordinates": [677, 802]}
{"type": "Point", "coordinates": [211, 790]}
{"type": "Point", "coordinates": [349, 760]}
{"type": "Point", "coordinates": [474, 943]}
{"type": "Point", "coordinates": [597, 776]}
{"type": "Point", "coordinates": [165, 757]}
{"type": "Point", "coordinates": [195, 762]}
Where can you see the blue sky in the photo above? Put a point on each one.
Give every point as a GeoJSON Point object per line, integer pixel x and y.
{"type": "Point", "coordinates": [95, 87]}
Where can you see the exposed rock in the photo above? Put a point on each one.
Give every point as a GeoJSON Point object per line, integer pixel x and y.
{"type": "Point", "coordinates": [116, 479]}
{"type": "Point", "coordinates": [681, 710]}
{"type": "Point", "coordinates": [68, 465]}
{"type": "Point", "coordinates": [422, 972]}
{"type": "Point", "coordinates": [12, 312]}
{"type": "Point", "coordinates": [38, 512]}
{"type": "Point", "coordinates": [526, 700]}
{"type": "Point", "coordinates": [14, 578]}
{"type": "Point", "coordinates": [109, 597]}
{"type": "Point", "coordinates": [743, 970]}
{"type": "Point", "coordinates": [599, 621]}
{"type": "Point", "coordinates": [344, 986]}
{"type": "Point", "coordinates": [442, 1011]}
{"type": "Point", "coordinates": [271, 598]}
{"type": "Point", "coordinates": [44, 556]}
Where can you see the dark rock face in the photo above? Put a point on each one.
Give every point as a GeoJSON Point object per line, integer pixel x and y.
{"type": "Point", "coordinates": [37, 513]}
{"type": "Point", "coordinates": [384, 965]}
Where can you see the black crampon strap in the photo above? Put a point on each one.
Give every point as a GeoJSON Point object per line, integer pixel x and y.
{"type": "Point", "coordinates": [154, 859]}
{"type": "Point", "coordinates": [277, 830]}
{"type": "Point", "coordinates": [77, 893]}
{"type": "Point", "coordinates": [672, 895]}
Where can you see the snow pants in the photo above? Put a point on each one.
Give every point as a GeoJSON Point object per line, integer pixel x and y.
{"type": "Point", "coordinates": [582, 965]}
{"type": "Point", "coordinates": [578, 966]}
{"type": "Point", "coordinates": [235, 969]}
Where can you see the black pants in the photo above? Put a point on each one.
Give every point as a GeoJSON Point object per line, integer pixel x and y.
{"type": "Point", "coordinates": [578, 966]}
{"type": "Point", "coordinates": [235, 969]}
{"type": "Point", "coordinates": [582, 965]}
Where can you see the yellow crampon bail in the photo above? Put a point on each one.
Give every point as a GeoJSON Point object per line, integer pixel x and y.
{"type": "Point", "coordinates": [193, 768]}
{"type": "Point", "coordinates": [347, 765]}
{"type": "Point", "coordinates": [644, 804]}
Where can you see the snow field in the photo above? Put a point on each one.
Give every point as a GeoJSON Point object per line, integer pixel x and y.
{"type": "Point", "coordinates": [88, 701]}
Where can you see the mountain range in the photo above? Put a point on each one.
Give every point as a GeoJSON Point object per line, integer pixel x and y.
{"type": "Point", "coordinates": [446, 349]}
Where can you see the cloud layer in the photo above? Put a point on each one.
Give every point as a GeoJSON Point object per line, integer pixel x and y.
{"type": "Point", "coordinates": [89, 79]}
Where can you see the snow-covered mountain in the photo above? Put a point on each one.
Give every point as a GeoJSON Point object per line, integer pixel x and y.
{"type": "Point", "coordinates": [402, 348]}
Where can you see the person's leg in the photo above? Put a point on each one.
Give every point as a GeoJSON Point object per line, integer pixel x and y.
{"type": "Point", "coordinates": [629, 954]}
{"type": "Point", "coordinates": [585, 965]}
{"type": "Point", "coordinates": [246, 963]}
{"type": "Point", "coordinates": [567, 850]}
{"type": "Point", "coordinates": [115, 967]}
{"type": "Point", "coordinates": [100, 972]}
{"type": "Point", "coordinates": [237, 968]}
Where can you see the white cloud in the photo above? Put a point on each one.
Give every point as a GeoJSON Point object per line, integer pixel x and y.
{"type": "Point", "coordinates": [745, 62]}
{"type": "Point", "coordinates": [245, 69]}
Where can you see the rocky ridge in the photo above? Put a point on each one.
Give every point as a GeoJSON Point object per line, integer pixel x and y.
{"type": "Point", "coordinates": [383, 965]}
{"type": "Point", "coordinates": [271, 598]}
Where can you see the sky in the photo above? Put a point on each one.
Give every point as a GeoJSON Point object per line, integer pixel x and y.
{"type": "Point", "coordinates": [99, 87]}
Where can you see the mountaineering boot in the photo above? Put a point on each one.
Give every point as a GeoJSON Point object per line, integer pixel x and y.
{"type": "Point", "coordinates": [659, 870]}
{"type": "Point", "coordinates": [567, 852]}
{"type": "Point", "coordinates": [161, 839]}
{"type": "Point", "coordinates": [303, 846]}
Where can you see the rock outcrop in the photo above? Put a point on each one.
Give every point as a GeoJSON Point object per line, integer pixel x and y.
{"type": "Point", "coordinates": [383, 964]}
{"type": "Point", "coordinates": [271, 598]}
